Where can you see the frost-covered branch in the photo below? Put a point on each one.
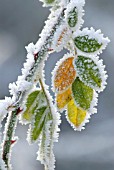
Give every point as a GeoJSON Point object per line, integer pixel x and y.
{"type": "Point", "coordinates": [24, 82]}
{"type": "Point", "coordinates": [76, 81]}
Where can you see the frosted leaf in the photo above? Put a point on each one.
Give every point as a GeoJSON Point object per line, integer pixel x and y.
{"type": "Point", "coordinates": [88, 71]}
{"type": "Point", "coordinates": [45, 153]}
{"type": "Point", "coordinates": [61, 36]}
{"type": "Point", "coordinates": [49, 136]}
{"type": "Point", "coordinates": [64, 73]}
{"type": "Point", "coordinates": [82, 94]}
{"type": "Point", "coordinates": [72, 18]}
{"type": "Point", "coordinates": [63, 98]}
{"type": "Point", "coordinates": [74, 14]}
{"type": "Point", "coordinates": [37, 124]}
{"type": "Point", "coordinates": [91, 72]}
{"type": "Point", "coordinates": [76, 116]}
{"type": "Point", "coordinates": [31, 104]}
{"type": "Point", "coordinates": [90, 42]}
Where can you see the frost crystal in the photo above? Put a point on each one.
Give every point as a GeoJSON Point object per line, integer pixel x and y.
{"type": "Point", "coordinates": [4, 106]}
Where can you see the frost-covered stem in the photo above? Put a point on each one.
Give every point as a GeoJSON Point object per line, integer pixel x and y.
{"type": "Point", "coordinates": [12, 117]}
{"type": "Point", "coordinates": [9, 129]}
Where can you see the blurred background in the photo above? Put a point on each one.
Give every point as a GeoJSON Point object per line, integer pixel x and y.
{"type": "Point", "coordinates": [21, 21]}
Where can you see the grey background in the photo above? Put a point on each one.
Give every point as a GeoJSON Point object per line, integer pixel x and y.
{"type": "Point", "coordinates": [21, 22]}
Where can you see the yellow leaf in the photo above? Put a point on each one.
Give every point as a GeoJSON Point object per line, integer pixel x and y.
{"type": "Point", "coordinates": [65, 75]}
{"type": "Point", "coordinates": [63, 98]}
{"type": "Point", "coordinates": [75, 115]}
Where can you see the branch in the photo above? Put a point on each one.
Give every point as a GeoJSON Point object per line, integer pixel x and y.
{"type": "Point", "coordinates": [13, 116]}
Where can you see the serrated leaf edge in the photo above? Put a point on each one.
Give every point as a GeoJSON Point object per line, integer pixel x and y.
{"type": "Point", "coordinates": [65, 38]}
{"type": "Point", "coordinates": [92, 34]}
{"type": "Point", "coordinates": [66, 56]}
{"type": "Point", "coordinates": [93, 104]}
{"type": "Point", "coordinates": [103, 73]}
{"type": "Point", "coordinates": [81, 127]}
{"type": "Point", "coordinates": [79, 6]}
{"type": "Point", "coordinates": [31, 127]}
{"type": "Point", "coordinates": [55, 123]}
{"type": "Point", "coordinates": [48, 161]}
{"type": "Point", "coordinates": [61, 110]}
{"type": "Point", "coordinates": [92, 110]}
{"type": "Point", "coordinates": [21, 119]}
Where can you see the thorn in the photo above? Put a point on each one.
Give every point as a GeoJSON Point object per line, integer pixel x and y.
{"type": "Point", "coordinates": [35, 56]}
{"type": "Point", "coordinates": [19, 110]}
{"type": "Point", "coordinates": [50, 49]}
{"type": "Point", "coordinates": [13, 141]}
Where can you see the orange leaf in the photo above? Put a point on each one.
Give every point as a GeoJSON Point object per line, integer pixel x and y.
{"type": "Point", "coordinates": [65, 75]}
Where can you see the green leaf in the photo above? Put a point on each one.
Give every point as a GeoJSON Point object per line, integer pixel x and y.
{"type": "Point", "coordinates": [39, 121]}
{"type": "Point", "coordinates": [31, 105]}
{"type": "Point", "coordinates": [88, 72]}
{"type": "Point", "coordinates": [45, 154]}
{"type": "Point", "coordinates": [76, 116]}
{"type": "Point", "coordinates": [72, 18]}
{"type": "Point", "coordinates": [37, 113]}
{"type": "Point", "coordinates": [87, 44]}
{"type": "Point", "coordinates": [82, 94]}
{"type": "Point", "coordinates": [35, 100]}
